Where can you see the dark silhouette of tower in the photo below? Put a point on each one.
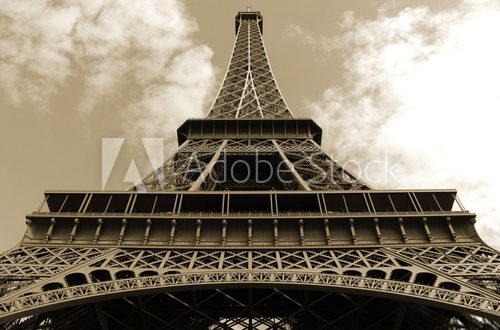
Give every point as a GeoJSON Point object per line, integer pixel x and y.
{"type": "Point", "coordinates": [250, 225]}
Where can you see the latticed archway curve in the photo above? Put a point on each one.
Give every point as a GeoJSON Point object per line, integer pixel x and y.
{"type": "Point", "coordinates": [70, 296]}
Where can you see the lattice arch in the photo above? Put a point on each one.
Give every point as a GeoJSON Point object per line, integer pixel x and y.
{"type": "Point", "coordinates": [78, 294]}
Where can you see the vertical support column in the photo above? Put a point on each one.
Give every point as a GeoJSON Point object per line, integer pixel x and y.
{"type": "Point", "coordinates": [250, 233]}
{"type": "Point", "coordinates": [276, 234]}
{"type": "Point", "coordinates": [146, 232]}
{"type": "Point", "coordinates": [223, 236]}
{"type": "Point", "coordinates": [450, 227]}
{"type": "Point", "coordinates": [50, 230]}
{"type": "Point", "coordinates": [97, 233]}
{"type": "Point", "coordinates": [198, 233]}
{"type": "Point", "coordinates": [353, 231]}
{"type": "Point", "coordinates": [427, 230]}
{"type": "Point", "coordinates": [122, 231]}
{"type": "Point", "coordinates": [301, 232]}
{"type": "Point", "coordinates": [403, 231]}
{"type": "Point", "coordinates": [377, 229]}
{"type": "Point", "coordinates": [327, 232]}
{"type": "Point", "coordinates": [172, 232]}
{"type": "Point", "coordinates": [73, 230]}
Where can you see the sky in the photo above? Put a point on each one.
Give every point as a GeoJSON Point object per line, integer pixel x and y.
{"type": "Point", "coordinates": [406, 91]}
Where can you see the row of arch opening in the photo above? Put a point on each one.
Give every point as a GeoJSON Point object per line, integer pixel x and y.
{"type": "Point", "coordinates": [401, 275]}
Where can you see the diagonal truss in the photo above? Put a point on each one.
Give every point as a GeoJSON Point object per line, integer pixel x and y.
{"type": "Point", "coordinates": [249, 89]}
{"type": "Point", "coordinates": [193, 166]}
{"type": "Point", "coordinates": [182, 170]}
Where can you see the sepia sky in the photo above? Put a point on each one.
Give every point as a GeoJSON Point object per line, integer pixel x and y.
{"type": "Point", "coordinates": [407, 92]}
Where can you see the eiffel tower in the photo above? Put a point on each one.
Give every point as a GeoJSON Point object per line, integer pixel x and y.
{"type": "Point", "coordinates": [250, 225]}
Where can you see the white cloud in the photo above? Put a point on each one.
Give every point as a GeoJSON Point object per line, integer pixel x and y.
{"type": "Point", "coordinates": [34, 47]}
{"type": "Point", "coordinates": [423, 87]}
{"type": "Point", "coordinates": [127, 53]}
{"type": "Point", "coordinates": [181, 94]}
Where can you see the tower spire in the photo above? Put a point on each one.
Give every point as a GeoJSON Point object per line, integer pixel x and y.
{"type": "Point", "coordinates": [249, 89]}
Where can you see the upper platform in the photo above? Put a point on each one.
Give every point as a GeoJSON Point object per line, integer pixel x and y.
{"type": "Point", "coordinates": [249, 16]}
{"type": "Point", "coordinates": [296, 128]}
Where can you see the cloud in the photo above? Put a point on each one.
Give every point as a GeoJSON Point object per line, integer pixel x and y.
{"type": "Point", "coordinates": [420, 93]}
{"type": "Point", "coordinates": [135, 54]}
{"type": "Point", "coordinates": [181, 94]}
{"type": "Point", "coordinates": [34, 47]}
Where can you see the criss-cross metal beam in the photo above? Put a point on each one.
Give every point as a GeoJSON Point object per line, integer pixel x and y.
{"type": "Point", "coordinates": [249, 89]}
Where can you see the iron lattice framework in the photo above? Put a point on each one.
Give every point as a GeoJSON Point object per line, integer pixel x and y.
{"type": "Point", "coordinates": [194, 247]}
